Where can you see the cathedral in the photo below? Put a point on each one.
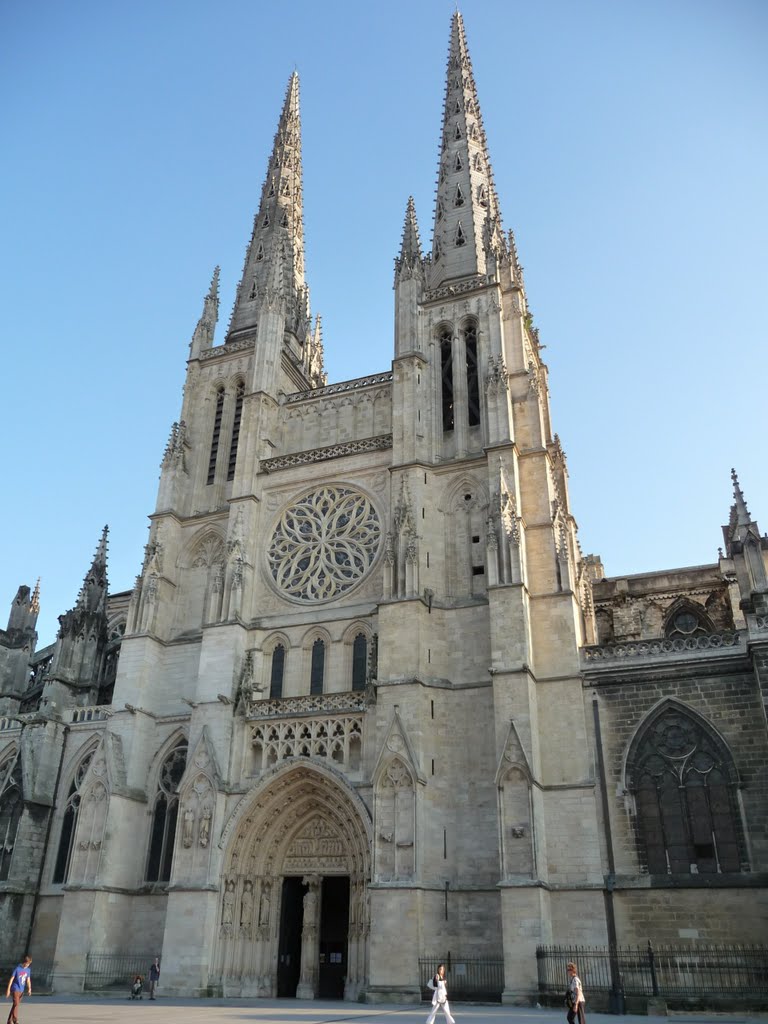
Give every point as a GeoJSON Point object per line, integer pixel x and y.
{"type": "Point", "coordinates": [368, 702]}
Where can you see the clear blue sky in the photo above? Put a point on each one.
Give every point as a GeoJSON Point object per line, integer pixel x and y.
{"type": "Point", "coordinates": [629, 140]}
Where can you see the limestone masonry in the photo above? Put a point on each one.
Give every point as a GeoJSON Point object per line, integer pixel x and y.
{"type": "Point", "coordinates": [367, 700]}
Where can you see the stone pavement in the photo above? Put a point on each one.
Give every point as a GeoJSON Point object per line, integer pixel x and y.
{"type": "Point", "coordinates": [62, 1009]}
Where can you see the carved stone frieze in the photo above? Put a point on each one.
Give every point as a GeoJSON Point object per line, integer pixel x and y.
{"type": "Point", "coordinates": [334, 451]}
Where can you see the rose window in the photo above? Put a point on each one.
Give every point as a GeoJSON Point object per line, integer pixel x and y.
{"type": "Point", "coordinates": [324, 544]}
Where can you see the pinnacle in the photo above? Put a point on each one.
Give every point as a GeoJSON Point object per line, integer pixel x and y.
{"type": "Point", "coordinates": [410, 247]}
{"type": "Point", "coordinates": [35, 603]}
{"type": "Point", "coordinates": [740, 505]}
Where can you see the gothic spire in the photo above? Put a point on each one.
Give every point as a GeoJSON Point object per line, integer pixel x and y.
{"type": "Point", "coordinates": [278, 229]}
{"type": "Point", "coordinates": [202, 338]}
{"type": "Point", "coordinates": [467, 226]}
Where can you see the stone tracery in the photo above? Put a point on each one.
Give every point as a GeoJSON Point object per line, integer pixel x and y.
{"type": "Point", "coordinates": [324, 544]}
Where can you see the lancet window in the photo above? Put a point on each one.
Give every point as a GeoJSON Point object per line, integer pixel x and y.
{"type": "Point", "coordinates": [11, 806]}
{"type": "Point", "coordinates": [216, 435]}
{"type": "Point", "coordinates": [277, 671]}
{"type": "Point", "coordinates": [317, 668]}
{"type": "Point", "coordinates": [684, 783]}
{"type": "Point", "coordinates": [473, 387]}
{"type": "Point", "coordinates": [235, 431]}
{"type": "Point", "coordinates": [359, 661]}
{"type": "Point", "coordinates": [165, 814]}
{"type": "Point", "coordinates": [69, 823]}
{"type": "Point", "coordinates": [446, 374]}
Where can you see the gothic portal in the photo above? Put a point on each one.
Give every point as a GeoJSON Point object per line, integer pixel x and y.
{"type": "Point", "coordinates": [368, 700]}
{"type": "Point", "coordinates": [294, 919]}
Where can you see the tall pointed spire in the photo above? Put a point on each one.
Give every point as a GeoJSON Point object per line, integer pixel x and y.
{"type": "Point", "coordinates": [202, 338]}
{"type": "Point", "coordinates": [467, 220]}
{"type": "Point", "coordinates": [410, 248]}
{"type": "Point", "coordinates": [278, 231]}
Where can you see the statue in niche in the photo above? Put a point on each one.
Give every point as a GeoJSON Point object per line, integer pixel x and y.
{"type": "Point", "coordinates": [246, 909]}
{"type": "Point", "coordinates": [188, 830]}
{"type": "Point", "coordinates": [264, 905]}
{"type": "Point", "coordinates": [228, 909]}
{"type": "Point", "coordinates": [205, 827]}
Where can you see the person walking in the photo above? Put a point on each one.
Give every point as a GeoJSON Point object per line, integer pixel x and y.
{"type": "Point", "coordinates": [574, 996]}
{"type": "Point", "coordinates": [439, 996]}
{"type": "Point", "coordinates": [154, 976]}
{"type": "Point", "coordinates": [19, 980]}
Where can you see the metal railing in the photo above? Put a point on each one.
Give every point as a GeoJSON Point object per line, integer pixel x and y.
{"type": "Point", "coordinates": [42, 974]}
{"type": "Point", "coordinates": [115, 970]}
{"type": "Point", "coordinates": [466, 977]}
{"type": "Point", "coordinates": [687, 971]}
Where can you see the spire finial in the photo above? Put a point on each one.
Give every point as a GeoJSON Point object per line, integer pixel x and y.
{"type": "Point", "coordinates": [202, 338]}
{"type": "Point", "coordinates": [35, 603]}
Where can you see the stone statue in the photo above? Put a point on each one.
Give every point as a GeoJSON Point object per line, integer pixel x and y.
{"type": "Point", "coordinates": [205, 827]}
{"type": "Point", "coordinates": [228, 910]}
{"type": "Point", "coordinates": [246, 909]}
{"type": "Point", "coordinates": [189, 823]}
{"type": "Point", "coordinates": [264, 905]}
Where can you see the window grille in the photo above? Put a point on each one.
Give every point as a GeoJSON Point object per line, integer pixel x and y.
{"type": "Point", "coordinates": [215, 437]}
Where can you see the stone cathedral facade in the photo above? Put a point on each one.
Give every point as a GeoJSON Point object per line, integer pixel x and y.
{"type": "Point", "coordinates": [368, 701]}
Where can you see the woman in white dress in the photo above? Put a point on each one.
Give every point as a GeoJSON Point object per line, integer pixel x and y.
{"type": "Point", "coordinates": [439, 997]}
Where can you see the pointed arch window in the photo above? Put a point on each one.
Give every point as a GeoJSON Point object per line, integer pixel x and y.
{"type": "Point", "coordinates": [446, 376]}
{"type": "Point", "coordinates": [259, 258]}
{"type": "Point", "coordinates": [239, 395]}
{"type": "Point", "coordinates": [457, 108]}
{"type": "Point", "coordinates": [458, 199]}
{"type": "Point", "coordinates": [684, 782]}
{"type": "Point", "coordinates": [317, 668]}
{"type": "Point", "coordinates": [478, 162]}
{"type": "Point", "coordinates": [11, 806]}
{"type": "Point", "coordinates": [461, 238]}
{"type": "Point", "coordinates": [457, 131]}
{"type": "Point", "coordinates": [458, 165]}
{"type": "Point", "coordinates": [265, 222]}
{"type": "Point", "coordinates": [482, 196]}
{"type": "Point", "coordinates": [439, 209]}
{"type": "Point", "coordinates": [285, 190]}
{"type": "Point", "coordinates": [473, 386]}
{"type": "Point", "coordinates": [359, 661]}
{"type": "Point", "coordinates": [277, 671]}
{"type": "Point", "coordinates": [69, 823]}
{"type": "Point", "coordinates": [271, 189]}
{"type": "Point", "coordinates": [284, 219]}
{"type": "Point", "coordinates": [472, 131]}
{"type": "Point", "coordinates": [165, 814]}
{"type": "Point", "coordinates": [686, 620]}
{"type": "Point", "coordinates": [216, 435]}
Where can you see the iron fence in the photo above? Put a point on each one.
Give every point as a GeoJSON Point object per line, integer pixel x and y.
{"type": "Point", "coordinates": [687, 971]}
{"type": "Point", "coordinates": [42, 974]}
{"type": "Point", "coordinates": [115, 970]}
{"type": "Point", "coordinates": [467, 978]}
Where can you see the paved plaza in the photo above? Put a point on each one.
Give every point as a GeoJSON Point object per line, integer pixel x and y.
{"type": "Point", "coordinates": [276, 1011]}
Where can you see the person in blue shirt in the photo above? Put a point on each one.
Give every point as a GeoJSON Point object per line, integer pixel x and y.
{"type": "Point", "coordinates": [19, 980]}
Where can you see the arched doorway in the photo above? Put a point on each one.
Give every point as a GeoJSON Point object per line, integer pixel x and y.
{"type": "Point", "coordinates": [293, 911]}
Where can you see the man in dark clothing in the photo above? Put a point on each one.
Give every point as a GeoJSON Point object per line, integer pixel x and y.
{"type": "Point", "coordinates": [154, 976]}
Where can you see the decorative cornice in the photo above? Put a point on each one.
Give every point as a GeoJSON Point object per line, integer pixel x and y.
{"type": "Point", "coordinates": [344, 385]}
{"type": "Point", "coordinates": [334, 451]}
{"type": "Point", "coordinates": [228, 348]}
